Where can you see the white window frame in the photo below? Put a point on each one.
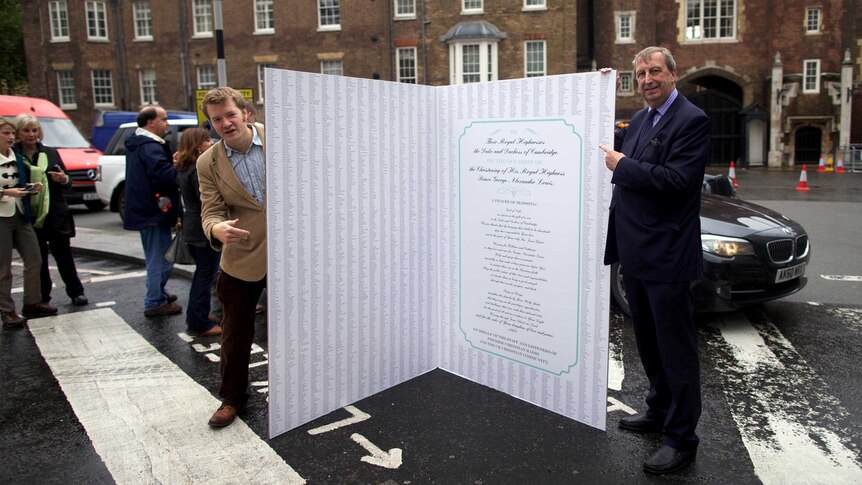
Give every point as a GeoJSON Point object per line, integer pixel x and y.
{"type": "Point", "coordinates": [333, 67]}
{"type": "Point", "coordinates": [202, 19]}
{"type": "Point", "coordinates": [264, 17]}
{"type": "Point", "coordinates": [811, 81]}
{"type": "Point", "coordinates": [627, 82]}
{"type": "Point", "coordinates": [472, 7]}
{"type": "Point", "coordinates": [402, 71]}
{"type": "Point", "coordinates": [96, 16]}
{"type": "Point", "coordinates": [620, 17]}
{"type": "Point", "coordinates": [260, 79]}
{"type": "Point", "coordinates": [527, 58]}
{"type": "Point", "coordinates": [532, 5]}
{"type": "Point", "coordinates": [58, 12]}
{"type": "Point", "coordinates": [149, 89]}
{"type": "Point", "coordinates": [488, 68]}
{"type": "Point", "coordinates": [695, 30]}
{"type": "Point", "coordinates": [206, 76]}
{"type": "Point", "coordinates": [103, 87]}
{"type": "Point", "coordinates": [142, 18]}
{"type": "Point", "coordinates": [66, 89]}
{"type": "Point", "coordinates": [332, 17]}
{"type": "Point", "coordinates": [405, 9]}
{"type": "Point", "coordinates": [818, 27]}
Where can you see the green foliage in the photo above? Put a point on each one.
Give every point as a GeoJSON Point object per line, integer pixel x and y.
{"type": "Point", "coordinates": [13, 66]}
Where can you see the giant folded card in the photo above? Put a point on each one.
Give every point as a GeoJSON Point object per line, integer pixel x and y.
{"type": "Point", "coordinates": [413, 227]}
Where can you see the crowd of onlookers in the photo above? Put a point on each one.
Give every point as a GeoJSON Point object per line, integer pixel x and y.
{"type": "Point", "coordinates": [34, 220]}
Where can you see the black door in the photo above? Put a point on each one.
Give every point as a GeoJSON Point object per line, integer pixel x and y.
{"type": "Point", "coordinates": [724, 114]}
{"type": "Point", "coordinates": [808, 140]}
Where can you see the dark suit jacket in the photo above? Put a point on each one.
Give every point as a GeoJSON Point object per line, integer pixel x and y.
{"type": "Point", "coordinates": [654, 226]}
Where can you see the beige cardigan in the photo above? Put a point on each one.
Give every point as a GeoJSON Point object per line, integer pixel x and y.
{"type": "Point", "coordinates": [223, 198]}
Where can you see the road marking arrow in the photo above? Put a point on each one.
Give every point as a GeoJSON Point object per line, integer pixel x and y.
{"type": "Point", "coordinates": [378, 457]}
{"type": "Point", "coordinates": [358, 416]}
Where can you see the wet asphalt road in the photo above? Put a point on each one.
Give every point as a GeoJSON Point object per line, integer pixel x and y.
{"type": "Point", "coordinates": [781, 382]}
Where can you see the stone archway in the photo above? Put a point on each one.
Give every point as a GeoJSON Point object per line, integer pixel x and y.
{"type": "Point", "coordinates": [721, 97]}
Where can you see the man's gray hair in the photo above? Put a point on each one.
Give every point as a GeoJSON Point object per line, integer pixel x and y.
{"type": "Point", "coordinates": [645, 54]}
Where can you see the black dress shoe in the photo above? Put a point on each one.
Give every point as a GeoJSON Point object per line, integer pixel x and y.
{"type": "Point", "coordinates": [80, 300]}
{"type": "Point", "coordinates": [642, 423]}
{"type": "Point", "coordinates": [171, 298]}
{"type": "Point", "coordinates": [668, 460]}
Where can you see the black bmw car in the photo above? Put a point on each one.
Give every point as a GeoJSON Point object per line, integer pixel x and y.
{"type": "Point", "coordinates": [751, 254]}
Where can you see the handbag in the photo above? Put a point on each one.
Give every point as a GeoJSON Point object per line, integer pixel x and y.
{"type": "Point", "coordinates": [178, 251]}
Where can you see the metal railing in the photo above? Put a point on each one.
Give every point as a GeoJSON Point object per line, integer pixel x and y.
{"type": "Point", "coordinates": [851, 156]}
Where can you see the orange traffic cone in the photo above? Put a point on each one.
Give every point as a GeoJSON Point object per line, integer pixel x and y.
{"type": "Point", "coordinates": [839, 168]}
{"type": "Point", "coordinates": [732, 175]}
{"type": "Point", "coordinates": [822, 166]}
{"type": "Point", "coordinates": [803, 180]}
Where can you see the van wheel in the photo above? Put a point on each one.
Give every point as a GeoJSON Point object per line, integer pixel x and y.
{"type": "Point", "coordinates": [121, 201]}
{"type": "Point", "coordinates": [95, 205]}
{"type": "Point", "coordinates": [618, 290]}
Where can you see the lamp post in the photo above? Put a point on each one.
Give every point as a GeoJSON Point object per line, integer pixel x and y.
{"type": "Point", "coordinates": [221, 66]}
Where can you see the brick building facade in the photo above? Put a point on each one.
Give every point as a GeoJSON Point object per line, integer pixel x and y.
{"type": "Point", "coordinates": [768, 72]}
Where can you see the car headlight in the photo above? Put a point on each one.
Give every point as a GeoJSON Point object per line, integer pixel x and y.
{"type": "Point", "coordinates": [726, 247]}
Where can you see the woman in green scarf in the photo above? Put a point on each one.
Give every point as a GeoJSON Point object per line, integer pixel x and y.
{"type": "Point", "coordinates": [52, 218]}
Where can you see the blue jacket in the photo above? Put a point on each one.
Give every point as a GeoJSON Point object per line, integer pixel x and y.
{"type": "Point", "coordinates": [149, 171]}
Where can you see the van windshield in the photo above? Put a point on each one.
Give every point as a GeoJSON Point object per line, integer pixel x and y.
{"type": "Point", "coordinates": [61, 133]}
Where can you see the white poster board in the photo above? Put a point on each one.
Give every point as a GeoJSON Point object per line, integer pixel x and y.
{"type": "Point", "coordinates": [413, 227]}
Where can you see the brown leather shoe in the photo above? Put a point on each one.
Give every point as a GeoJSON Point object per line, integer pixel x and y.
{"type": "Point", "coordinates": [164, 310]}
{"type": "Point", "coordinates": [224, 415]}
{"type": "Point", "coordinates": [215, 330]}
{"type": "Point", "coordinates": [36, 310]}
{"type": "Point", "coordinates": [13, 320]}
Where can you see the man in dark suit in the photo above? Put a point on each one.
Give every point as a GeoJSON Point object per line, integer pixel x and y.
{"type": "Point", "coordinates": [654, 232]}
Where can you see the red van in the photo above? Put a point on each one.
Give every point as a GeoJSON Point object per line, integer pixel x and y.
{"type": "Point", "coordinates": [80, 158]}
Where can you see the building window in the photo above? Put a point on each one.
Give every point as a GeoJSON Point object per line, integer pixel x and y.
{"type": "Point", "coordinates": [625, 27]}
{"type": "Point", "coordinates": [260, 80]}
{"type": "Point", "coordinates": [472, 6]}
{"type": "Point", "coordinates": [329, 14]}
{"type": "Point", "coordinates": [66, 88]}
{"type": "Point", "coordinates": [535, 5]}
{"type": "Point", "coordinates": [625, 82]}
{"type": "Point", "coordinates": [59, 15]}
{"type": "Point", "coordinates": [103, 89]}
{"type": "Point", "coordinates": [335, 68]}
{"type": "Point", "coordinates": [406, 59]}
{"type": "Point", "coordinates": [472, 63]}
{"type": "Point", "coordinates": [264, 21]}
{"type": "Point", "coordinates": [148, 86]}
{"type": "Point", "coordinates": [811, 76]}
{"type": "Point", "coordinates": [143, 15]}
{"type": "Point", "coordinates": [710, 19]}
{"type": "Point", "coordinates": [97, 20]}
{"type": "Point", "coordinates": [405, 9]}
{"type": "Point", "coordinates": [534, 58]}
{"type": "Point", "coordinates": [812, 20]}
{"type": "Point", "coordinates": [206, 77]}
{"type": "Point", "coordinates": [202, 11]}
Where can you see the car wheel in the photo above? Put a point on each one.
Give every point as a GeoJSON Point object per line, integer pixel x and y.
{"type": "Point", "coordinates": [618, 290]}
{"type": "Point", "coordinates": [95, 205]}
{"type": "Point", "coordinates": [121, 202]}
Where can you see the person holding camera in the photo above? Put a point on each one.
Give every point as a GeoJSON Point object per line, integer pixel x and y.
{"type": "Point", "coordinates": [16, 230]}
{"type": "Point", "coordinates": [54, 224]}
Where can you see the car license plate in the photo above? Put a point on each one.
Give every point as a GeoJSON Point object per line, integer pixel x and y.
{"type": "Point", "coordinates": [788, 274]}
{"type": "Point", "coordinates": [91, 196]}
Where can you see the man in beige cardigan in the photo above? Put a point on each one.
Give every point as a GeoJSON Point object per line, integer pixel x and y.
{"type": "Point", "coordinates": [232, 184]}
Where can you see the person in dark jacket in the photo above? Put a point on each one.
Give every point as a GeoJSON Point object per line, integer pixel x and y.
{"type": "Point", "coordinates": [194, 142]}
{"type": "Point", "coordinates": [152, 204]}
{"type": "Point", "coordinates": [55, 226]}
